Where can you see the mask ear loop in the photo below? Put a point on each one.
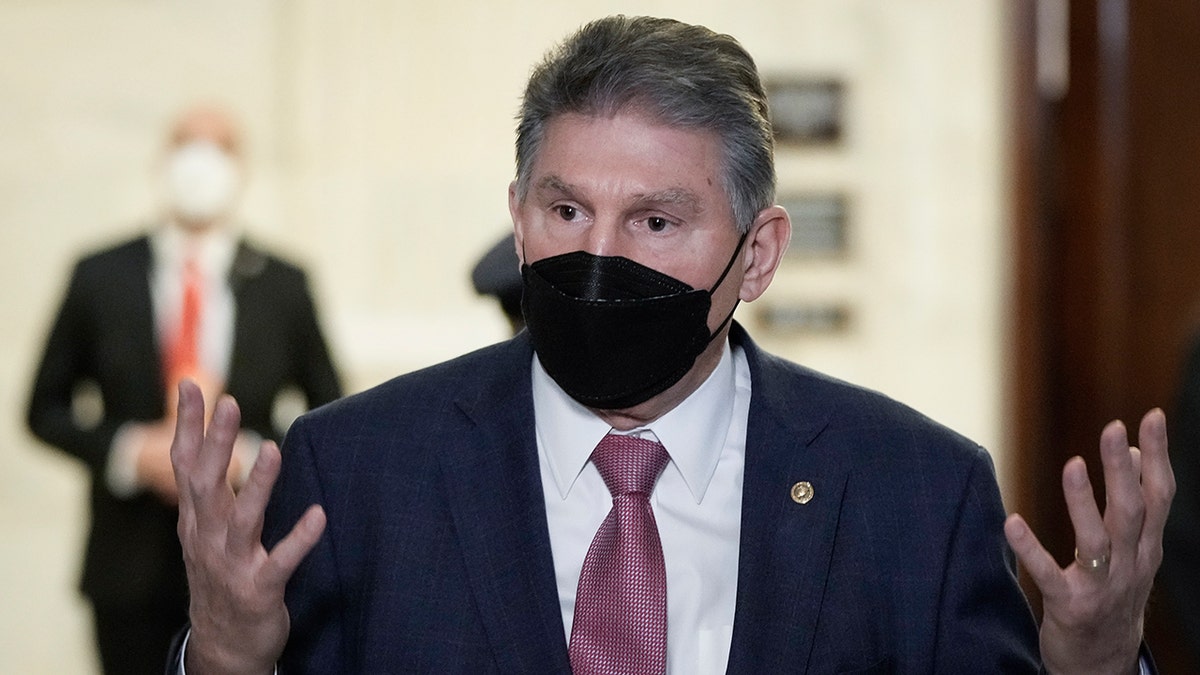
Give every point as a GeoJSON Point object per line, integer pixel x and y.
{"type": "Point", "coordinates": [729, 316]}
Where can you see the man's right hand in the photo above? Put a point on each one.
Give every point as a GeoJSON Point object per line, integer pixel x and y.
{"type": "Point", "coordinates": [239, 621]}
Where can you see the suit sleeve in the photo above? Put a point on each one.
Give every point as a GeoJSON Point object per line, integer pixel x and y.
{"type": "Point", "coordinates": [317, 376]}
{"type": "Point", "coordinates": [984, 622]}
{"type": "Point", "coordinates": [317, 642]}
{"type": "Point", "coordinates": [66, 362]}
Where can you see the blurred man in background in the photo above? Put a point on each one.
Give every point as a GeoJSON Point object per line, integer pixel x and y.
{"type": "Point", "coordinates": [189, 298]}
{"type": "Point", "coordinates": [498, 274]}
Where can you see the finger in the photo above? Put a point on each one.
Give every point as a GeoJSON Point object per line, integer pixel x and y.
{"type": "Point", "coordinates": [1158, 480]}
{"type": "Point", "coordinates": [1036, 560]}
{"type": "Point", "coordinates": [251, 503]}
{"type": "Point", "coordinates": [213, 463]}
{"type": "Point", "coordinates": [1124, 508]}
{"type": "Point", "coordinates": [186, 442]}
{"type": "Point", "coordinates": [290, 551]}
{"type": "Point", "coordinates": [210, 493]}
{"type": "Point", "coordinates": [1091, 538]}
{"type": "Point", "coordinates": [189, 427]}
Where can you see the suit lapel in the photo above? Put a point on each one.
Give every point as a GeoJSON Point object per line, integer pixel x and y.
{"type": "Point", "coordinates": [493, 479]}
{"type": "Point", "coordinates": [786, 546]}
{"type": "Point", "coordinates": [144, 334]}
{"type": "Point", "coordinates": [248, 263]}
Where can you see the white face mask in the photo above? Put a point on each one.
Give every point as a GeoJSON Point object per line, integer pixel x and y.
{"type": "Point", "coordinates": [201, 181]}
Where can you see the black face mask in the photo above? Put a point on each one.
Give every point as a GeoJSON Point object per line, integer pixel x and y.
{"type": "Point", "coordinates": [613, 333]}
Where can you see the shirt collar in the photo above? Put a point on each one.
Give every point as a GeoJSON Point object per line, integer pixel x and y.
{"type": "Point", "coordinates": [693, 432]}
{"type": "Point", "coordinates": [214, 249]}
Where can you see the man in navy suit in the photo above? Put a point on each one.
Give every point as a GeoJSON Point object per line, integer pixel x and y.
{"type": "Point", "coordinates": [444, 521]}
{"type": "Point", "coordinates": [255, 336]}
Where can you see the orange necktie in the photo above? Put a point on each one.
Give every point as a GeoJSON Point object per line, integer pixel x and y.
{"type": "Point", "coordinates": [183, 354]}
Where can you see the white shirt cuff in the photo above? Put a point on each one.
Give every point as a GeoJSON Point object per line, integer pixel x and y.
{"type": "Point", "coordinates": [120, 474]}
{"type": "Point", "coordinates": [183, 652]}
{"type": "Point", "coordinates": [247, 447]}
{"type": "Point", "coordinates": [183, 655]}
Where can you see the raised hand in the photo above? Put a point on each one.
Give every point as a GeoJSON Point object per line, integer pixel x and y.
{"type": "Point", "coordinates": [1093, 608]}
{"type": "Point", "coordinates": [239, 621]}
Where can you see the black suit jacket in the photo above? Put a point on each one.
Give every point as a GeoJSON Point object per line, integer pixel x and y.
{"type": "Point", "coordinates": [437, 555]}
{"type": "Point", "coordinates": [104, 334]}
{"type": "Point", "coordinates": [1181, 540]}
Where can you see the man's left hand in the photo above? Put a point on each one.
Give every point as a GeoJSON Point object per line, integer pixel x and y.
{"type": "Point", "coordinates": [1093, 608]}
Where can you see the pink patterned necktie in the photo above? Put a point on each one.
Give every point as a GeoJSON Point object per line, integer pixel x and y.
{"type": "Point", "coordinates": [620, 623]}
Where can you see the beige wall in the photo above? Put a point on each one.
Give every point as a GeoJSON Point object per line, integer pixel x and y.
{"type": "Point", "coordinates": [381, 149]}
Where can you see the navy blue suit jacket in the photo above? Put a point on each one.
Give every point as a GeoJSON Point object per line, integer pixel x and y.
{"type": "Point", "coordinates": [437, 555]}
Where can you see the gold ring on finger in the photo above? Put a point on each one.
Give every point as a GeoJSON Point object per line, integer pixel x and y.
{"type": "Point", "coordinates": [1091, 563]}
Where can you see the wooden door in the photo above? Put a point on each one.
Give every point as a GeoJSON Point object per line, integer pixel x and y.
{"type": "Point", "coordinates": [1106, 225]}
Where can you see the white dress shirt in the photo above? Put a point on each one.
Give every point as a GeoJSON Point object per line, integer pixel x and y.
{"type": "Point", "coordinates": [697, 503]}
{"type": "Point", "coordinates": [213, 253]}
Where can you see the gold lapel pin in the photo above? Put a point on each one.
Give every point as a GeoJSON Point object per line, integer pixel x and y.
{"type": "Point", "coordinates": [802, 492]}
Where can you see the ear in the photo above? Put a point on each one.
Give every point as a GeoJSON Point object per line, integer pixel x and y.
{"type": "Point", "coordinates": [768, 239]}
{"type": "Point", "coordinates": [514, 211]}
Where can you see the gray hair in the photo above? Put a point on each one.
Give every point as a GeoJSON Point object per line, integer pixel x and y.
{"type": "Point", "coordinates": [685, 76]}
